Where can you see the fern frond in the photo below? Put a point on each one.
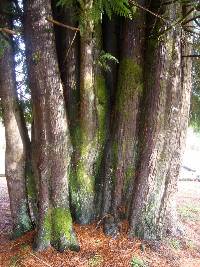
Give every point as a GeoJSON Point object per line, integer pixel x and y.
{"type": "Point", "coordinates": [104, 60]}
{"type": "Point", "coordinates": [110, 7]}
{"type": "Point", "coordinates": [121, 8]}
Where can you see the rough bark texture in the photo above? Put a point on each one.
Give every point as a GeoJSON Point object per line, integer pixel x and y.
{"type": "Point", "coordinates": [67, 42]}
{"type": "Point", "coordinates": [90, 131]}
{"type": "Point", "coordinates": [51, 130]}
{"type": "Point", "coordinates": [162, 134]}
{"type": "Point", "coordinates": [83, 188]}
{"type": "Point", "coordinates": [15, 158]}
{"type": "Point", "coordinates": [121, 160]}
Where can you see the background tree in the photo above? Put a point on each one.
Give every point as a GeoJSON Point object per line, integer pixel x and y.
{"type": "Point", "coordinates": [15, 133]}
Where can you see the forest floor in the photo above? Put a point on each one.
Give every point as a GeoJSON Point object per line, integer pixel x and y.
{"type": "Point", "coordinates": [97, 250]}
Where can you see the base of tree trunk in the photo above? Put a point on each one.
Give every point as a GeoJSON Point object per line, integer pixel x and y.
{"type": "Point", "coordinates": [57, 231]}
{"type": "Point", "coordinates": [111, 226]}
{"type": "Point", "coordinates": [21, 230]}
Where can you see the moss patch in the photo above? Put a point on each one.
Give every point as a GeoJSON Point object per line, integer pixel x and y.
{"type": "Point", "coordinates": [130, 82]}
{"type": "Point", "coordinates": [61, 223]}
{"type": "Point", "coordinates": [24, 223]}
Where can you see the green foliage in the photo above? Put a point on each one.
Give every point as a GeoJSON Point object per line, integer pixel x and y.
{"type": "Point", "coordinates": [15, 261]}
{"type": "Point", "coordinates": [95, 261]}
{"type": "Point", "coordinates": [195, 99]}
{"type": "Point", "coordinates": [175, 243]}
{"type": "Point", "coordinates": [104, 60]}
{"type": "Point", "coordinates": [26, 106]}
{"type": "Point", "coordinates": [108, 7]}
{"type": "Point", "coordinates": [137, 262]}
{"type": "Point", "coordinates": [191, 244]}
{"type": "Point", "coordinates": [189, 212]}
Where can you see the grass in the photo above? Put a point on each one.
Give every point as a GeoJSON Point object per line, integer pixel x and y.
{"type": "Point", "coordinates": [190, 212]}
{"type": "Point", "coordinates": [15, 261]}
{"type": "Point", "coordinates": [175, 243]}
{"type": "Point", "coordinates": [95, 261]}
{"type": "Point", "coordinates": [191, 244]}
{"type": "Point", "coordinates": [137, 262]}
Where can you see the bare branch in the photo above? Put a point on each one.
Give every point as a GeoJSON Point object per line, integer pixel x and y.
{"type": "Point", "coordinates": [193, 56]}
{"type": "Point", "coordinates": [179, 21]}
{"type": "Point", "coordinates": [147, 10]}
{"type": "Point", "coordinates": [71, 45]}
{"type": "Point", "coordinates": [62, 25]}
{"type": "Point", "coordinates": [194, 18]}
{"type": "Point", "coordinates": [8, 31]}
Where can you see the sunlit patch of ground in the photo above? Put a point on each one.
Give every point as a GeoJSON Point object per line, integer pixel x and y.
{"type": "Point", "coordinates": [97, 250]}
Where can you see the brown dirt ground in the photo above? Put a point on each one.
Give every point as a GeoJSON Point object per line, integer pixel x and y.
{"type": "Point", "coordinates": [98, 250]}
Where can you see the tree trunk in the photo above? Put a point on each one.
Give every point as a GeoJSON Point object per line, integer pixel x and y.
{"type": "Point", "coordinates": [121, 158]}
{"type": "Point", "coordinates": [51, 130]}
{"type": "Point", "coordinates": [162, 134]}
{"type": "Point", "coordinates": [15, 157]}
{"type": "Point", "coordinates": [91, 130]}
{"type": "Point", "coordinates": [67, 42]}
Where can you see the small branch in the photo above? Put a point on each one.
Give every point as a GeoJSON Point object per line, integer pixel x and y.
{"type": "Point", "coordinates": [198, 56]}
{"type": "Point", "coordinates": [8, 31]}
{"type": "Point", "coordinates": [147, 10]}
{"type": "Point", "coordinates": [174, 1]}
{"type": "Point", "coordinates": [71, 45]}
{"type": "Point", "coordinates": [62, 25]}
{"type": "Point", "coordinates": [179, 21]}
{"type": "Point", "coordinates": [194, 18]}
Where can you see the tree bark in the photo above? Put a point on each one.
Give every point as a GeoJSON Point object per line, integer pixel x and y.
{"type": "Point", "coordinates": [162, 134]}
{"type": "Point", "coordinates": [51, 130]}
{"type": "Point", "coordinates": [67, 43]}
{"type": "Point", "coordinates": [91, 129]}
{"type": "Point", "coordinates": [15, 156]}
{"type": "Point", "coordinates": [121, 158]}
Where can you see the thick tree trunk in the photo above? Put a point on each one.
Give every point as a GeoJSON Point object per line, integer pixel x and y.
{"type": "Point", "coordinates": [91, 129]}
{"type": "Point", "coordinates": [15, 158]}
{"type": "Point", "coordinates": [67, 43]}
{"type": "Point", "coordinates": [110, 34]}
{"type": "Point", "coordinates": [50, 128]}
{"type": "Point", "coordinates": [83, 188]}
{"type": "Point", "coordinates": [121, 158]}
{"type": "Point", "coordinates": [162, 134]}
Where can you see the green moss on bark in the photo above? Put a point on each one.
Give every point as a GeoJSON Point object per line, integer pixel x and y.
{"type": "Point", "coordinates": [24, 223]}
{"type": "Point", "coordinates": [62, 236]}
{"type": "Point", "coordinates": [102, 108]}
{"type": "Point", "coordinates": [130, 82]}
{"type": "Point", "coordinates": [57, 229]}
{"type": "Point", "coordinates": [82, 181]}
